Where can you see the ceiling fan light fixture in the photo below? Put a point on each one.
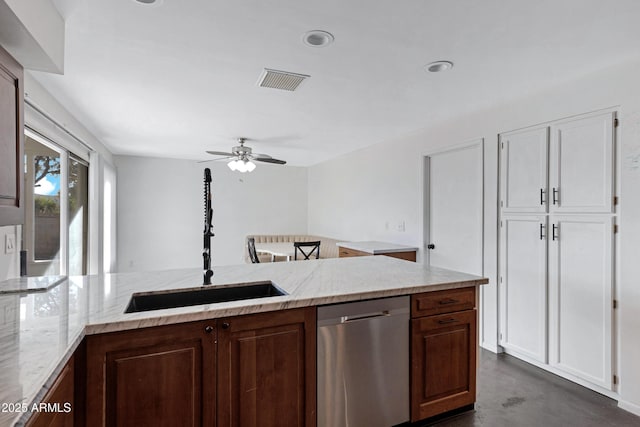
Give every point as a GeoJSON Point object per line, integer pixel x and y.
{"type": "Point", "coordinates": [241, 166]}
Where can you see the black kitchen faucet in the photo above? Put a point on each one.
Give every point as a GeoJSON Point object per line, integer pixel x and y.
{"type": "Point", "coordinates": [208, 228]}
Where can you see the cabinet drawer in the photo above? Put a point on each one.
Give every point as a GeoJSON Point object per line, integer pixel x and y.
{"type": "Point", "coordinates": [439, 302]}
{"type": "Point", "coordinates": [345, 252]}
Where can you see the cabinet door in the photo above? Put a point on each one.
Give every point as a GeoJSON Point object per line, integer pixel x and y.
{"type": "Point", "coordinates": [11, 140]}
{"type": "Point", "coordinates": [580, 287]}
{"type": "Point", "coordinates": [60, 394]}
{"type": "Point", "coordinates": [581, 170]}
{"type": "Point", "coordinates": [266, 369]}
{"type": "Point", "coordinates": [523, 286]}
{"type": "Point", "coordinates": [163, 376]}
{"type": "Point", "coordinates": [443, 363]}
{"type": "Point", "coordinates": [523, 162]}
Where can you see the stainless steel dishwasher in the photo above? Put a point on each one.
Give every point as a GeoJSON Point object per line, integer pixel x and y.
{"type": "Point", "coordinates": [363, 363]}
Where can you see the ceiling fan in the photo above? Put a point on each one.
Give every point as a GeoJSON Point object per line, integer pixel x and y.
{"type": "Point", "coordinates": [242, 157]}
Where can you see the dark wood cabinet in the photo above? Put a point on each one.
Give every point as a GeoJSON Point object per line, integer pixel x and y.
{"type": "Point", "coordinates": [267, 369]}
{"type": "Point", "coordinates": [11, 140]}
{"type": "Point", "coordinates": [443, 352]}
{"type": "Point", "coordinates": [253, 370]}
{"type": "Point", "coordinates": [160, 376]}
{"type": "Point", "coordinates": [58, 405]}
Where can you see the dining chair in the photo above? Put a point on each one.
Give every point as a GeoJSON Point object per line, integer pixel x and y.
{"type": "Point", "coordinates": [306, 249]}
{"type": "Point", "coordinates": [251, 244]}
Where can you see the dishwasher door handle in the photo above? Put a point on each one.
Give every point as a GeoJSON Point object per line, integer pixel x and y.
{"type": "Point", "coordinates": [345, 319]}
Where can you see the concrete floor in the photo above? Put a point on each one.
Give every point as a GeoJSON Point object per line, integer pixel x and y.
{"type": "Point", "coordinates": [516, 394]}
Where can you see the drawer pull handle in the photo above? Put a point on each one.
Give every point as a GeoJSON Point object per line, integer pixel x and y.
{"type": "Point", "coordinates": [448, 301]}
{"type": "Point", "coordinates": [446, 321]}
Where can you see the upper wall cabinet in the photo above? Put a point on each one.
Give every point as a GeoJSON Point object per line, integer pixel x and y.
{"type": "Point", "coordinates": [11, 140]}
{"type": "Point", "coordinates": [574, 155]}
{"type": "Point", "coordinates": [581, 164]}
{"type": "Point", "coordinates": [524, 170]}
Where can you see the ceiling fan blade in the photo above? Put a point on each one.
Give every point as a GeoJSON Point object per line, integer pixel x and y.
{"type": "Point", "coordinates": [216, 160]}
{"type": "Point", "coordinates": [221, 153]}
{"type": "Point", "coordinates": [270, 160]}
{"type": "Point", "coordinates": [260, 156]}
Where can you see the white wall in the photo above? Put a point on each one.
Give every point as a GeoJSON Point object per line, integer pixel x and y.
{"type": "Point", "coordinates": [160, 210]}
{"type": "Point", "coordinates": [10, 263]}
{"type": "Point", "coordinates": [354, 196]}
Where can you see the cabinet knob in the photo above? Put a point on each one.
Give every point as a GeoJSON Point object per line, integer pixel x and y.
{"type": "Point", "coordinates": [208, 329]}
{"type": "Point", "coordinates": [431, 246]}
{"type": "Point", "coordinates": [225, 325]}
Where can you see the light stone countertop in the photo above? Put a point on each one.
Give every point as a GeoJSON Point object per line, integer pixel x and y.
{"type": "Point", "coordinates": [375, 248]}
{"type": "Point", "coordinates": [39, 331]}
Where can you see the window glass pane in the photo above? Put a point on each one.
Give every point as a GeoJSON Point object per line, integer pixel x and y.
{"type": "Point", "coordinates": [46, 202]}
{"type": "Point", "coordinates": [42, 195]}
{"type": "Point", "coordinates": [78, 216]}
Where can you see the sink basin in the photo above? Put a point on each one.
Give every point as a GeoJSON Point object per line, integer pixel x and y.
{"type": "Point", "coordinates": [202, 295]}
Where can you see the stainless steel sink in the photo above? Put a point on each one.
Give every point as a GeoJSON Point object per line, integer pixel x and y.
{"type": "Point", "coordinates": [202, 295]}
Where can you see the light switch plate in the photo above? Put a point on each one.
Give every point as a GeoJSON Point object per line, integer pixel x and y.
{"type": "Point", "coordinates": [9, 243]}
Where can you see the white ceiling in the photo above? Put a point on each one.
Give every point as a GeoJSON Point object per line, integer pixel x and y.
{"type": "Point", "coordinates": [179, 78]}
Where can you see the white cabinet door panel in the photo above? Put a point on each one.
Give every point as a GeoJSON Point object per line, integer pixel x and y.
{"type": "Point", "coordinates": [581, 165]}
{"type": "Point", "coordinates": [524, 170]}
{"type": "Point", "coordinates": [580, 296]}
{"type": "Point", "coordinates": [523, 290]}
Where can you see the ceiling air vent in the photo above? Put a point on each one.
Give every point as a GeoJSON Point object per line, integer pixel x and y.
{"type": "Point", "coordinates": [281, 79]}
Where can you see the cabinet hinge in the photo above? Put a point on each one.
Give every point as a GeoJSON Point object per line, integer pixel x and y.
{"type": "Point", "coordinates": [615, 228]}
{"type": "Point", "coordinates": [500, 224]}
{"type": "Point", "coordinates": [501, 203]}
{"type": "Point", "coordinates": [502, 145]}
{"type": "Point", "coordinates": [500, 336]}
{"type": "Point", "coordinates": [615, 122]}
{"type": "Point", "coordinates": [615, 379]}
{"type": "Point", "coordinates": [615, 200]}
{"type": "Point", "coordinates": [615, 304]}
{"type": "Point", "coordinates": [500, 279]}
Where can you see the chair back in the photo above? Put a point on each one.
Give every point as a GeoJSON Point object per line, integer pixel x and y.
{"type": "Point", "coordinates": [306, 249]}
{"type": "Point", "coordinates": [251, 244]}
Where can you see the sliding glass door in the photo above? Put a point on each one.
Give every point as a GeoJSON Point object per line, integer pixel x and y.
{"type": "Point", "coordinates": [56, 196]}
{"type": "Point", "coordinates": [78, 215]}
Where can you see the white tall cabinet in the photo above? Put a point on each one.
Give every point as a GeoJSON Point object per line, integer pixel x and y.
{"type": "Point", "coordinates": [557, 224]}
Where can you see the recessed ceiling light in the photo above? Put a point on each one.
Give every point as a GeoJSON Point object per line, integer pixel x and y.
{"type": "Point", "coordinates": [436, 67]}
{"type": "Point", "coordinates": [317, 38]}
{"type": "Point", "coordinates": [156, 2]}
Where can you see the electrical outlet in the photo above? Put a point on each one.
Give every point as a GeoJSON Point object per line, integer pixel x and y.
{"type": "Point", "coordinates": [400, 226]}
{"type": "Point", "coordinates": [9, 243]}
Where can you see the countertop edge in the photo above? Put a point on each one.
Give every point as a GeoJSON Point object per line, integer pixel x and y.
{"type": "Point", "coordinates": [264, 307]}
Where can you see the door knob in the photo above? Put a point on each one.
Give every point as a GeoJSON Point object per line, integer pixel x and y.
{"type": "Point", "coordinates": [431, 246]}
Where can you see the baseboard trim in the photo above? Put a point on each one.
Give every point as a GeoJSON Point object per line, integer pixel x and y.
{"type": "Point", "coordinates": [491, 347]}
{"type": "Point", "coordinates": [629, 407]}
{"type": "Point", "coordinates": [567, 376]}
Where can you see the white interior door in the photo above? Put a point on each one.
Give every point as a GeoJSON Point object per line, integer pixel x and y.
{"type": "Point", "coordinates": [581, 165]}
{"type": "Point", "coordinates": [455, 183]}
{"type": "Point", "coordinates": [523, 285]}
{"type": "Point", "coordinates": [523, 164]}
{"type": "Point", "coordinates": [580, 296]}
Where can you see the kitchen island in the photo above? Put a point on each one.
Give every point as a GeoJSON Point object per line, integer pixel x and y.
{"type": "Point", "coordinates": [41, 331]}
